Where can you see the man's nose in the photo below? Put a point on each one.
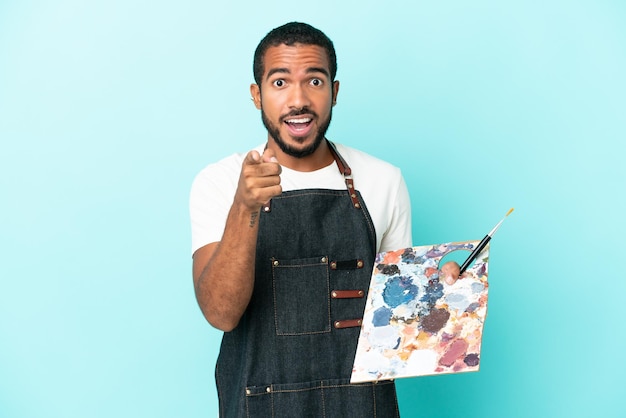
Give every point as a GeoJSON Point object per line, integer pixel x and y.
{"type": "Point", "coordinates": [299, 97]}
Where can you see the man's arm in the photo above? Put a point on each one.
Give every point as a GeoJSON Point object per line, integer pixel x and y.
{"type": "Point", "coordinates": [223, 272]}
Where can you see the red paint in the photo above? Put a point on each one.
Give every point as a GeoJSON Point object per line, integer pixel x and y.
{"type": "Point", "coordinates": [456, 350]}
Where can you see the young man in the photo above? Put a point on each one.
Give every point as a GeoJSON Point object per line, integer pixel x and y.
{"type": "Point", "coordinates": [284, 241]}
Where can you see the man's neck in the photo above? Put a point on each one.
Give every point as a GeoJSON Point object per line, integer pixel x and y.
{"type": "Point", "coordinates": [321, 158]}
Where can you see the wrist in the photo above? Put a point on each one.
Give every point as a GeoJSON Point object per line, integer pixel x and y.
{"type": "Point", "coordinates": [245, 215]}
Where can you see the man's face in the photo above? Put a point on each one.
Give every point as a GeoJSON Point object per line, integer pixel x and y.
{"type": "Point", "coordinates": [296, 97]}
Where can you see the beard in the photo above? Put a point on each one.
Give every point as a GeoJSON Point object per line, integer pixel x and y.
{"type": "Point", "coordinates": [288, 149]}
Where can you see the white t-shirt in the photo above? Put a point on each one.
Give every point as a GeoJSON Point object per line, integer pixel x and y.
{"type": "Point", "coordinates": [381, 185]}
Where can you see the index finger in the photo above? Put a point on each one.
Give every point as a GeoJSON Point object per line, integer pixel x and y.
{"type": "Point", "coordinates": [253, 157]}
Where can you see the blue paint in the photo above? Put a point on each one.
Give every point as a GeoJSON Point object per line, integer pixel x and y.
{"type": "Point", "coordinates": [382, 317]}
{"type": "Point", "coordinates": [397, 343]}
{"type": "Point", "coordinates": [472, 307]}
{"type": "Point", "coordinates": [399, 290]}
{"type": "Point", "coordinates": [477, 287]}
{"type": "Point", "coordinates": [433, 292]}
{"type": "Point", "coordinates": [457, 301]}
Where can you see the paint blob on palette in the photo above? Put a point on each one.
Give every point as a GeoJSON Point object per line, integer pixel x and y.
{"type": "Point", "coordinates": [415, 324]}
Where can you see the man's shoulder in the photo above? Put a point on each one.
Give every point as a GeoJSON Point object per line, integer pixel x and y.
{"type": "Point", "coordinates": [358, 159]}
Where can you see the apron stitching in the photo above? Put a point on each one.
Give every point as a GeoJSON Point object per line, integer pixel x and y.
{"type": "Point", "coordinates": [287, 334]}
{"type": "Point", "coordinates": [320, 192]}
{"type": "Point", "coordinates": [328, 386]}
{"type": "Point", "coordinates": [323, 400]}
{"type": "Point", "coordinates": [292, 334]}
{"type": "Point", "coordinates": [374, 398]}
{"type": "Point", "coordinates": [328, 296]}
{"type": "Point", "coordinates": [274, 297]}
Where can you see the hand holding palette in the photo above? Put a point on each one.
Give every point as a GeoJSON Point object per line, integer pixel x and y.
{"type": "Point", "coordinates": [416, 324]}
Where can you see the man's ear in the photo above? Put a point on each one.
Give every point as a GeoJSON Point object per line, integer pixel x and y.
{"type": "Point", "coordinates": [335, 91]}
{"type": "Point", "coordinates": [255, 92]}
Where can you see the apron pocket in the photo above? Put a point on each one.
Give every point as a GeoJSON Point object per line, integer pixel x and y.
{"type": "Point", "coordinates": [301, 296]}
{"type": "Point", "coordinates": [327, 398]}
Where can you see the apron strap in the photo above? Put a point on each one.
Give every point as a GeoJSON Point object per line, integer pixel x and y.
{"type": "Point", "coordinates": [345, 170]}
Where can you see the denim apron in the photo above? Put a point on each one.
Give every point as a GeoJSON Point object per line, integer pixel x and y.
{"type": "Point", "coordinates": [292, 353]}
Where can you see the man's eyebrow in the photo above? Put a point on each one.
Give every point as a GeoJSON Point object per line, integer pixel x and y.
{"type": "Point", "coordinates": [318, 70]}
{"type": "Point", "coordinates": [308, 70]}
{"type": "Point", "coordinates": [276, 70]}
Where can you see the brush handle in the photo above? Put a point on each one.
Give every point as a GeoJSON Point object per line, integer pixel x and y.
{"type": "Point", "coordinates": [475, 253]}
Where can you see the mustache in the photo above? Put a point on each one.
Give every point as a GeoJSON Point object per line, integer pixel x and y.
{"type": "Point", "coordinates": [297, 112]}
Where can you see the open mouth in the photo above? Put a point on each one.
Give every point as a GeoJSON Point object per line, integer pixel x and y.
{"type": "Point", "coordinates": [299, 126]}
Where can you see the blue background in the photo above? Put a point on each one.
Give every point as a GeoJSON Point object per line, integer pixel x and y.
{"type": "Point", "coordinates": [109, 108]}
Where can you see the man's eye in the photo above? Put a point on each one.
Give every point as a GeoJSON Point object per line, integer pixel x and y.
{"type": "Point", "coordinates": [279, 83]}
{"type": "Point", "coordinates": [316, 82]}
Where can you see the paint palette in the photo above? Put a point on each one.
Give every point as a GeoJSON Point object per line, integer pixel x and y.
{"type": "Point", "coordinates": [416, 324]}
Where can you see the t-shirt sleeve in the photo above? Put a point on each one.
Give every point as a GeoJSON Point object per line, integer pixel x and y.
{"type": "Point", "coordinates": [210, 199]}
{"type": "Point", "coordinates": [398, 235]}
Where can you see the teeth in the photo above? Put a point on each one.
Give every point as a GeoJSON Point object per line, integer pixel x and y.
{"type": "Point", "coordinates": [303, 120]}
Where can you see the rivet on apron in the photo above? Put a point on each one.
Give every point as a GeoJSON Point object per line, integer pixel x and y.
{"type": "Point", "coordinates": [334, 294]}
{"type": "Point", "coordinates": [356, 205]}
{"type": "Point", "coordinates": [275, 263]}
{"type": "Point", "coordinates": [268, 389]}
{"type": "Point", "coordinates": [337, 324]}
{"type": "Point", "coordinates": [333, 265]}
{"type": "Point", "coordinates": [324, 259]}
{"type": "Point", "coordinates": [359, 264]}
{"type": "Point", "coordinates": [360, 293]}
{"type": "Point", "coordinates": [266, 209]}
{"type": "Point", "coordinates": [248, 391]}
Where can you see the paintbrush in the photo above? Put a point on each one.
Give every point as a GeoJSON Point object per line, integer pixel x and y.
{"type": "Point", "coordinates": [482, 244]}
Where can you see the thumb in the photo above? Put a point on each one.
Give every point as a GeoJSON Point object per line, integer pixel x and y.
{"type": "Point", "coordinates": [269, 156]}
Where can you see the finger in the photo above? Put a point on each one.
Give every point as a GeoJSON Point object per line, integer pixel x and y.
{"type": "Point", "coordinates": [272, 167]}
{"type": "Point", "coordinates": [265, 181]}
{"type": "Point", "coordinates": [449, 280]}
{"type": "Point", "coordinates": [273, 191]}
{"type": "Point", "coordinates": [450, 272]}
{"type": "Point", "coordinates": [254, 171]}
{"type": "Point", "coordinates": [269, 156]}
{"type": "Point", "coordinates": [252, 157]}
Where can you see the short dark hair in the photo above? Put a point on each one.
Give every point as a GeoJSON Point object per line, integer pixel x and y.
{"type": "Point", "coordinates": [290, 34]}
